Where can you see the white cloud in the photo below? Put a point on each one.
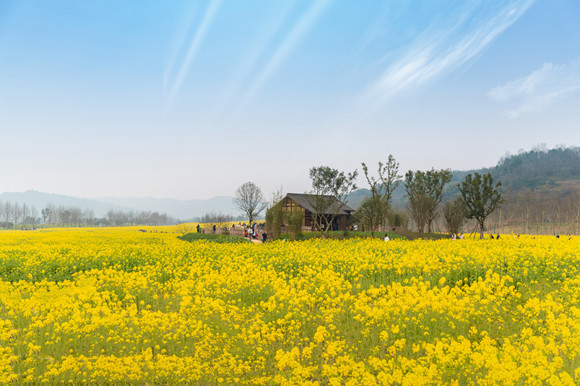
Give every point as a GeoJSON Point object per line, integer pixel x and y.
{"type": "Point", "coordinates": [194, 45]}
{"type": "Point", "coordinates": [277, 59]}
{"type": "Point", "coordinates": [249, 63]}
{"type": "Point", "coordinates": [444, 47]}
{"type": "Point", "coordinates": [179, 44]}
{"type": "Point", "coordinates": [538, 90]}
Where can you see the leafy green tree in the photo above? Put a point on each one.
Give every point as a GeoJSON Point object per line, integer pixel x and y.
{"type": "Point", "coordinates": [373, 213]}
{"type": "Point", "coordinates": [455, 215]}
{"type": "Point", "coordinates": [398, 219]}
{"type": "Point", "coordinates": [295, 219]}
{"type": "Point", "coordinates": [330, 190]}
{"type": "Point", "coordinates": [274, 220]}
{"type": "Point", "coordinates": [420, 206]}
{"type": "Point", "coordinates": [275, 215]}
{"type": "Point", "coordinates": [481, 197]}
{"type": "Point", "coordinates": [425, 191]}
{"type": "Point", "coordinates": [389, 178]}
{"type": "Point", "coordinates": [374, 210]}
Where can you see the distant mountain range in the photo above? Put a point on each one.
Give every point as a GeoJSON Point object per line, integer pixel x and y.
{"type": "Point", "coordinates": [553, 171]}
{"type": "Point", "coordinates": [179, 209]}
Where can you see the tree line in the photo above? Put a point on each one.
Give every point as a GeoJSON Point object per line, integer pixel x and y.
{"type": "Point", "coordinates": [473, 201]}
{"type": "Point", "coordinates": [14, 215]}
{"type": "Point", "coordinates": [538, 212]}
{"type": "Point", "coordinates": [479, 197]}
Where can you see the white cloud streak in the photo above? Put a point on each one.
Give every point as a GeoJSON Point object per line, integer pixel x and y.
{"type": "Point", "coordinates": [250, 61]}
{"type": "Point", "coordinates": [192, 51]}
{"type": "Point", "coordinates": [538, 90]}
{"type": "Point", "coordinates": [178, 45]}
{"type": "Point", "coordinates": [295, 35]}
{"type": "Point", "coordinates": [443, 48]}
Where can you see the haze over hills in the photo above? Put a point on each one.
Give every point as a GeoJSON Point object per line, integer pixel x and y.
{"type": "Point", "coordinates": [179, 209]}
{"type": "Point", "coordinates": [41, 200]}
{"type": "Point", "coordinates": [553, 171]}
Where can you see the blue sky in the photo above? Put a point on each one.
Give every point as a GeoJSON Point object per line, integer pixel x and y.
{"type": "Point", "coordinates": [190, 99]}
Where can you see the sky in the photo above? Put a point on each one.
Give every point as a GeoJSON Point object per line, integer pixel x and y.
{"type": "Point", "coordinates": [190, 99]}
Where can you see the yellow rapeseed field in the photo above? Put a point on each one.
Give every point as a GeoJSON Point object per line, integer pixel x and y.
{"type": "Point", "coordinates": [127, 306]}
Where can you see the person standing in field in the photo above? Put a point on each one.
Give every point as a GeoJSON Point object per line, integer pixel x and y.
{"type": "Point", "coordinates": [264, 237]}
{"type": "Point", "coordinates": [387, 237]}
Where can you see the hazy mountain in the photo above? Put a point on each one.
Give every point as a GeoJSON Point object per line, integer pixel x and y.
{"type": "Point", "coordinates": [182, 209]}
{"type": "Point", "coordinates": [41, 200]}
{"type": "Point", "coordinates": [555, 171]}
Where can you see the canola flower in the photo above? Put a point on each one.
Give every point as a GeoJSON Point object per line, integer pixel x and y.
{"type": "Point", "coordinates": [119, 305]}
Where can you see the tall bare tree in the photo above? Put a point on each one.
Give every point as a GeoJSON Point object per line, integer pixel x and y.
{"type": "Point", "coordinates": [33, 215]}
{"type": "Point", "coordinates": [15, 214]}
{"type": "Point", "coordinates": [220, 220]}
{"type": "Point", "coordinates": [250, 200]}
{"type": "Point", "coordinates": [5, 213]}
{"type": "Point", "coordinates": [24, 213]}
{"type": "Point", "coordinates": [89, 216]}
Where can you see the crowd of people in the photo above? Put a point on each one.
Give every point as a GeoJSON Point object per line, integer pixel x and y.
{"type": "Point", "coordinates": [253, 231]}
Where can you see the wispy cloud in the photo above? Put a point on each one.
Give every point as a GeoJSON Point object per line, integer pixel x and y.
{"type": "Point", "coordinates": [446, 46]}
{"type": "Point", "coordinates": [249, 63]}
{"type": "Point", "coordinates": [178, 45]}
{"type": "Point", "coordinates": [294, 36]}
{"type": "Point", "coordinates": [191, 52]}
{"type": "Point", "coordinates": [540, 89]}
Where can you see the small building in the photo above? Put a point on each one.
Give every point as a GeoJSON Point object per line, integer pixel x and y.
{"type": "Point", "coordinates": [307, 202]}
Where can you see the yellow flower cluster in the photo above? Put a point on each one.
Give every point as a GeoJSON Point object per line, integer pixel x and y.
{"type": "Point", "coordinates": [121, 305]}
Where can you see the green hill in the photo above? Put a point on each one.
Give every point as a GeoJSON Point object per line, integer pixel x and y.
{"type": "Point", "coordinates": [540, 168]}
{"type": "Point", "coordinates": [552, 171]}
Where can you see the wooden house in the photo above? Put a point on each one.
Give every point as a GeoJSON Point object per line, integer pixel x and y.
{"type": "Point", "coordinates": [307, 204]}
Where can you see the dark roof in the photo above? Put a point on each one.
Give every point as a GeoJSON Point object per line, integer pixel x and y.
{"type": "Point", "coordinates": [306, 201]}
